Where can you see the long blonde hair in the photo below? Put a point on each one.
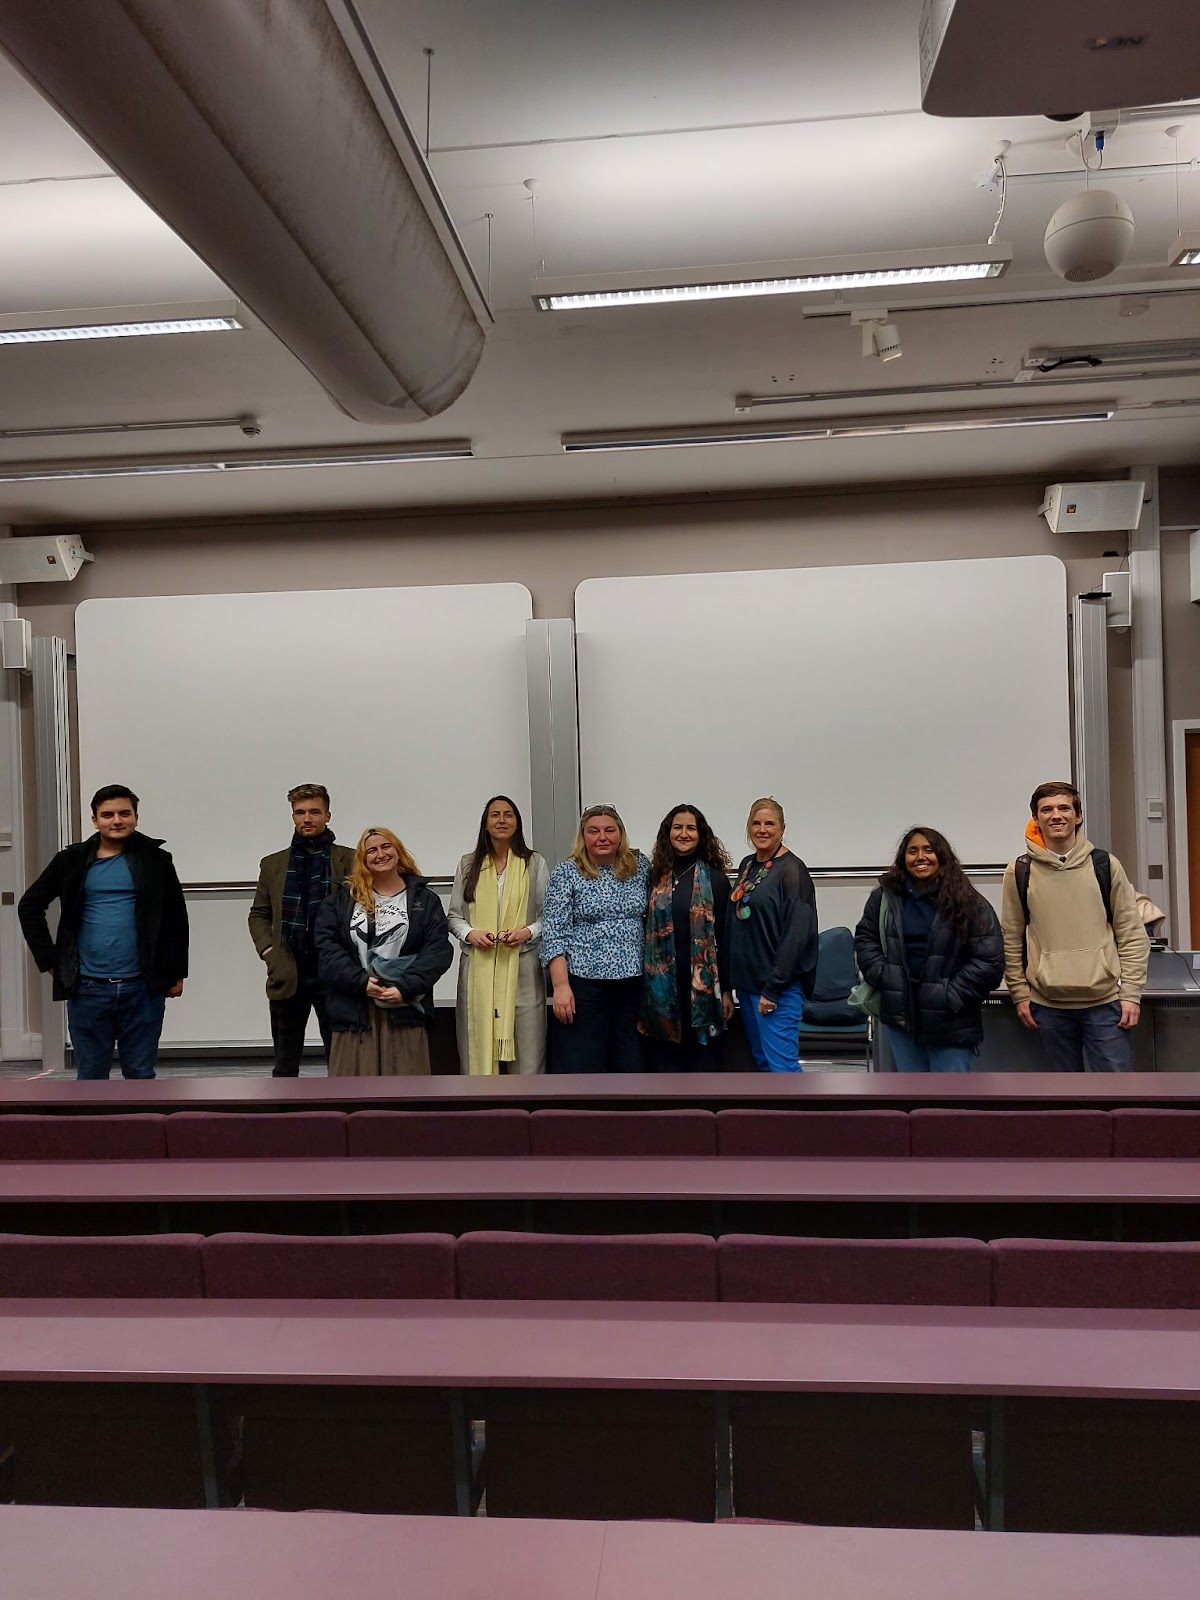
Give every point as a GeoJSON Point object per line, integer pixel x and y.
{"type": "Point", "coordinates": [625, 862]}
{"type": "Point", "coordinates": [359, 878]}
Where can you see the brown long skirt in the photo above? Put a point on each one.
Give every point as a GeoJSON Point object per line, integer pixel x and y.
{"type": "Point", "coordinates": [383, 1051]}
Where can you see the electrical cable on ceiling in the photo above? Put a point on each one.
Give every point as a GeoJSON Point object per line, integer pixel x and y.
{"type": "Point", "coordinates": [1088, 169]}
{"type": "Point", "coordinates": [488, 218]}
{"type": "Point", "coordinates": [1173, 133]}
{"type": "Point", "coordinates": [1069, 361]}
{"type": "Point", "coordinates": [1003, 170]}
{"type": "Point", "coordinates": [428, 52]}
{"type": "Point", "coordinates": [539, 264]}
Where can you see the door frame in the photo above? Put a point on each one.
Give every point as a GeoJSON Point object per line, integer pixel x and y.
{"type": "Point", "coordinates": [1183, 923]}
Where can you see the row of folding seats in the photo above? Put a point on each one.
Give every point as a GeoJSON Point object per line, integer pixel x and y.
{"type": "Point", "coordinates": [1140, 1132]}
{"type": "Point", "coordinates": [529, 1266]}
{"type": "Point", "coordinates": [866, 1459]}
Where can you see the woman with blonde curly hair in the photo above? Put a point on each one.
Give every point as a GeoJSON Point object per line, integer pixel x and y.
{"type": "Point", "coordinates": [592, 933]}
{"type": "Point", "coordinates": [382, 944]}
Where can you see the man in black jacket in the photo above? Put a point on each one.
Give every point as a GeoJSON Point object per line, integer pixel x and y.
{"type": "Point", "coordinates": [121, 949]}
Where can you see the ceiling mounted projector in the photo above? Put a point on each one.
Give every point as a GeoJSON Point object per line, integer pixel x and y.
{"type": "Point", "coordinates": [1089, 236]}
{"type": "Point", "coordinates": [1029, 59]}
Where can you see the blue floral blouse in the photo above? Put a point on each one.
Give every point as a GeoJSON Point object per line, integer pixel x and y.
{"type": "Point", "coordinates": [599, 923]}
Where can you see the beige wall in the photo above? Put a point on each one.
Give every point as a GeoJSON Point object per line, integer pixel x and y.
{"type": "Point", "coordinates": [553, 550]}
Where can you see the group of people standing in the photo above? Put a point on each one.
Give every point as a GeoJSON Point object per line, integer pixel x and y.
{"type": "Point", "coordinates": [643, 957]}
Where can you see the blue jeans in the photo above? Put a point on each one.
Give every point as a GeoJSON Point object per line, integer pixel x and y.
{"type": "Point", "coordinates": [1068, 1037]}
{"type": "Point", "coordinates": [909, 1056]}
{"type": "Point", "coordinates": [774, 1040]}
{"type": "Point", "coordinates": [101, 1014]}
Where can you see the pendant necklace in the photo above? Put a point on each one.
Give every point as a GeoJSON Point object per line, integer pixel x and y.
{"type": "Point", "coordinates": [747, 885]}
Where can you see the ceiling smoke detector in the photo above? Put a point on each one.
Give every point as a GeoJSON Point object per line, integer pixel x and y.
{"type": "Point", "coordinates": [1089, 236]}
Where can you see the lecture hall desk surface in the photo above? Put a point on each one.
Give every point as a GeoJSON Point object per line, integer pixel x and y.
{"type": "Point", "coordinates": [53, 1553]}
{"type": "Point", "coordinates": [846, 1089]}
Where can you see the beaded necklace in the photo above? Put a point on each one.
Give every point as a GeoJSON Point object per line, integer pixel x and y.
{"type": "Point", "coordinates": [741, 895]}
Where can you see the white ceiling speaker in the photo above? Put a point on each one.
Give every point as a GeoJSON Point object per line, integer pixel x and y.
{"type": "Point", "coordinates": [1089, 235]}
{"type": "Point", "coordinates": [1093, 507]}
{"type": "Point", "coordinates": [49, 558]}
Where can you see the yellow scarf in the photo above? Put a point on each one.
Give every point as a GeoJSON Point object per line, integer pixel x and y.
{"type": "Point", "coordinates": [492, 974]}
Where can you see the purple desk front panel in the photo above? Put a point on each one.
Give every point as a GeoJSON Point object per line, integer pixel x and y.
{"type": "Point", "coordinates": [177, 1093]}
{"type": "Point", "coordinates": [1152, 1355]}
{"type": "Point", "coordinates": [899, 1179]}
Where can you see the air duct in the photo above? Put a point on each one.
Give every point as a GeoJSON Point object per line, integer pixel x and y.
{"type": "Point", "coordinates": [249, 128]}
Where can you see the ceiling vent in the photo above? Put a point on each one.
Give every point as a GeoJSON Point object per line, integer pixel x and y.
{"type": "Point", "coordinates": [250, 128]}
{"type": "Point", "coordinates": [1093, 507]}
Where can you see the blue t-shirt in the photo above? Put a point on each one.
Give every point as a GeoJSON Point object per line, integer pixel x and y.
{"type": "Point", "coordinates": [108, 945]}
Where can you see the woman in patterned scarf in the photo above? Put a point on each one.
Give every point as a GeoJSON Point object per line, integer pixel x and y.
{"type": "Point", "coordinates": [686, 993]}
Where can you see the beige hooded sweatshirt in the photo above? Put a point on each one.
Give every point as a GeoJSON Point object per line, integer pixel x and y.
{"type": "Point", "coordinates": [1074, 958]}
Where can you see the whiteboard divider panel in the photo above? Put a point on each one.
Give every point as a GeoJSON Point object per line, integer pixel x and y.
{"type": "Point", "coordinates": [553, 737]}
{"type": "Point", "coordinates": [866, 699]}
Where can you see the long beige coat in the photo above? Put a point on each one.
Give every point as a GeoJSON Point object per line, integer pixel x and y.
{"type": "Point", "coordinates": [531, 983]}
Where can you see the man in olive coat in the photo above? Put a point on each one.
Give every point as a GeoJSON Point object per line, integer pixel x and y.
{"type": "Point", "coordinates": [291, 886]}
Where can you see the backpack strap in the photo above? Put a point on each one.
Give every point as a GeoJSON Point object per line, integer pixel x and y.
{"type": "Point", "coordinates": [1102, 867]}
{"type": "Point", "coordinates": [1021, 873]}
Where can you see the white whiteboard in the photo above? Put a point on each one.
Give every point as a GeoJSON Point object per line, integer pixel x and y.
{"type": "Point", "coordinates": [409, 705]}
{"type": "Point", "coordinates": [223, 1001]}
{"type": "Point", "coordinates": [866, 699]}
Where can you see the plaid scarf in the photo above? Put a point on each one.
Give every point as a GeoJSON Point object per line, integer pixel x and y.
{"type": "Point", "coordinates": [660, 1017]}
{"type": "Point", "coordinates": [298, 921]}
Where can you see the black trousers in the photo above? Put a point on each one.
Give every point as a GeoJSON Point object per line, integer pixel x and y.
{"type": "Point", "coordinates": [686, 1056]}
{"type": "Point", "coordinates": [289, 1019]}
{"type": "Point", "coordinates": [604, 1036]}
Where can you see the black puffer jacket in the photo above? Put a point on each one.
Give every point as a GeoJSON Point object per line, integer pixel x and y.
{"type": "Point", "coordinates": [428, 942]}
{"type": "Point", "coordinates": [945, 1006]}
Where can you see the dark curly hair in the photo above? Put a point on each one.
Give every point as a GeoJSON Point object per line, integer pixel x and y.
{"type": "Point", "coordinates": [709, 848]}
{"type": "Point", "coordinates": [957, 898]}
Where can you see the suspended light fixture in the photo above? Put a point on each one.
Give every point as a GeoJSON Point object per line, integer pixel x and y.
{"type": "Point", "coordinates": [750, 279]}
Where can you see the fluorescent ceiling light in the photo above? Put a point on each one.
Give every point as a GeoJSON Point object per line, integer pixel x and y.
{"type": "Point", "coordinates": [118, 330]}
{"type": "Point", "coordinates": [167, 466]}
{"type": "Point", "coordinates": [770, 278]}
{"type": "Point", "coordinates": [1185, 251]}
{"type": "Point", "coordinates": [837, 428]}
